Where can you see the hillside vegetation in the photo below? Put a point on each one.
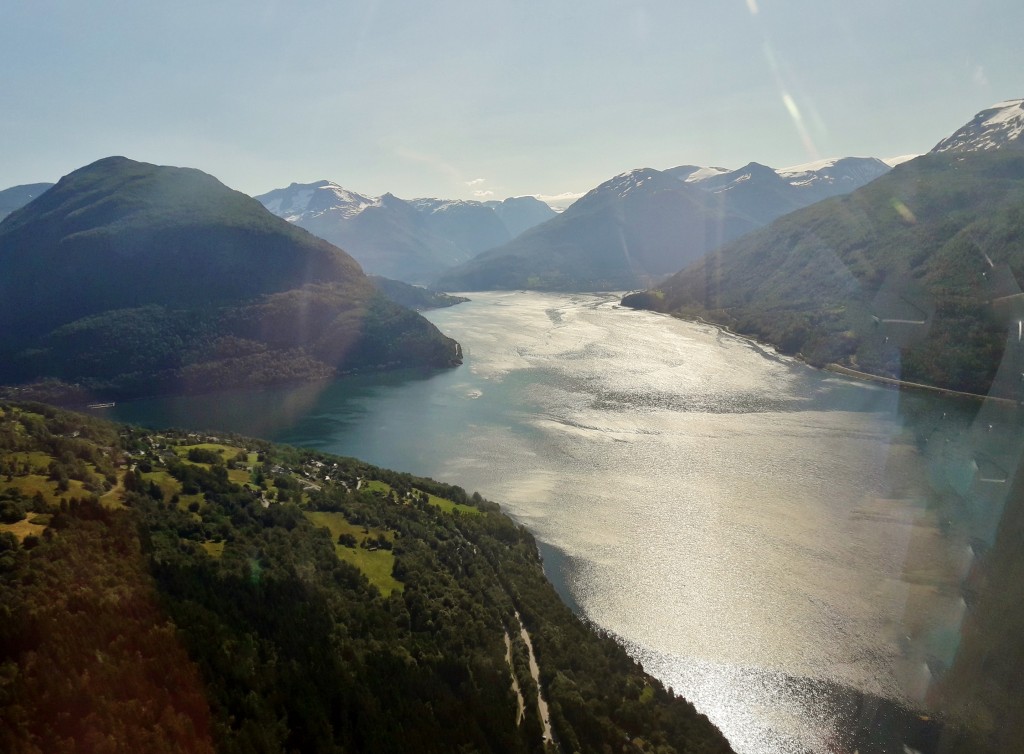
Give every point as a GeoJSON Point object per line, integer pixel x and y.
{"type": "Point", "coordinates": [415, 297]}
{"type": "Point", "coordinates": [129, 278]}
{"type": "Point", "coordinates": [913, 276]}
{"type": "Point", "coordinates": [198, 593]}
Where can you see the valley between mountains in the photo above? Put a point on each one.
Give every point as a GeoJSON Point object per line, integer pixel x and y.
{"type": "Point", "coordinates": [206, 591]}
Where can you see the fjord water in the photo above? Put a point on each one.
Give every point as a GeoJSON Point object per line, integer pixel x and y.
{"type": "Point", "coordinates": [755, 532]}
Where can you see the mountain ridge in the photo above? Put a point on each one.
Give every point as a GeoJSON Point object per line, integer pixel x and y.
{"type": "Point", "coordinates": [17, 197]}
{"type": "Point", "coordinates": [644, 224]}
{"type": "Point", "coordinates": [408, 240]}
{"type": "Point", "coordinates": [131, 277]}
{"type": "Point", "coordinates": [915, 276]}
{"type": "Point", "coordinates": [895, 279]}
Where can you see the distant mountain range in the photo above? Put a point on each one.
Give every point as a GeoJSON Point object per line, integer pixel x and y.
{"type": "Point", "coordinates": [642, 225]}
{"type": "Point", "coordinates": [413, 241]}
{"type": "Point", "coordinates": [916, 275]}
{"type": "Point", "coordinates": [129, 278]}
{"type": "Point", "coordinates": [18, 196]}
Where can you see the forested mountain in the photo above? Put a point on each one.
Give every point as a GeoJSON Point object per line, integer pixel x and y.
{"type": "Point", "coordinates": [129, 278]}
{"type": "Point", "coordinates": [914, 276]}
{"type": "Point", "coordinates": [409, 240]}
{"type": "Point", "coordinates": [645, 224]}
{"type": "Point", "coordinates": [414, 297]}
{"type": "Point", "coordinates": [18, 196]}
{"type": "Point", "coordinates": [168, 592]}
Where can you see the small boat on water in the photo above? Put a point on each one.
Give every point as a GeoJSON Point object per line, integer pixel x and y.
{"type": "Point", "coordinates": [101, 405]}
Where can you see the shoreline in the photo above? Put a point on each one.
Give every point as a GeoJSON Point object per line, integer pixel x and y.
{"type": "Point", "coordinates": [845, 371]}
{"type": "Point", "coordinates": [906, 385]}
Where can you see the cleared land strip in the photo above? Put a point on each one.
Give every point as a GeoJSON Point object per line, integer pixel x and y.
{"type": "Point", "coordinates": [846, 371]}
{"type": "Point", "coordinates": [542, 705]}
{"type": "Point", "coordinates": [515, 681]}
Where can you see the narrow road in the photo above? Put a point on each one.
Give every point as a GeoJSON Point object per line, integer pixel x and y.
{"type": "Point", "coordinates": [542, 705]}
{"type": "Point", "coordinates": [515, 681]}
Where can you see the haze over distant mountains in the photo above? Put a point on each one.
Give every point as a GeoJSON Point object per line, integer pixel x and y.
{"type": "Point", "coordinates": [916, 275]}
{"type": "Point", "coordinates": [409, 240]}
{"type": "Point", "coordinates": [645, 224]}
{"type": "Point", "coordinates": [18, 196]}
{"type": "Point", "coordinates": [129, 278]}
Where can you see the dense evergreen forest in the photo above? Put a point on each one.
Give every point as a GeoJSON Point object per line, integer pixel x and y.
{"type": "Point", "coordinates": [173, 592]}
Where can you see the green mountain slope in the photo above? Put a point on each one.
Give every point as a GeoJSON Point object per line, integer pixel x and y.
{"type": "Point", "coordinates": [16, 197]}
{"type": "Point", "coordinates": [189, 593]}
{"type": "Point", "coordinates": [913, 276]}
{"type": "Point", "coordinates": [414, 296]}
{"type": "Point", "coordinates": [132, 278]}
{"type": "Point", "coordinates": [640, 226]}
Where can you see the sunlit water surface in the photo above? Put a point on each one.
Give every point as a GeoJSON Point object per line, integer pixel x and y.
{"type": "Point", "coordinates": [737, 519]}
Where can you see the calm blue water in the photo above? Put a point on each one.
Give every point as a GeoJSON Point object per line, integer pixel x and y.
{"type": "Point", "coordinates": [736, 518]}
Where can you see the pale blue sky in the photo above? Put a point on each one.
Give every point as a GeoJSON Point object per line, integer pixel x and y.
{"type": "Point", "coordinates": [425, 98]}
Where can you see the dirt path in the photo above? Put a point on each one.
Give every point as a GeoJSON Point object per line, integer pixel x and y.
{"type": "Point", "coordinates": [515, 681]}
{"type": "Point", "coordinates": [542, 705]}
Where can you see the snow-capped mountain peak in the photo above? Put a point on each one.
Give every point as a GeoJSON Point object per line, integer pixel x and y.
{"type": "Point", "coordinates": [411, 240]}
{"type": "Point", "coordinates": [996, 127]}
{"type": "Point", "coordinates": [431, 205]}
{"type": "Point", "coordinates": [626, 183]}
{"type": "Point", "coordinates": [698, 174]}
{"type": "Point", "coordinates": [312, 199]}
{"type": "Point", "coordinates": [899, 159]}
{"type": "Point", "coordinates": [835, 171]}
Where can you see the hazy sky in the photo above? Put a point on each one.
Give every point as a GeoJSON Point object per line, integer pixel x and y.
{"type": "Point", "coordinates": [457, 98]}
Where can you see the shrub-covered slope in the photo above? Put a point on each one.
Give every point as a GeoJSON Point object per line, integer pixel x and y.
{"type": "Point", "coordinates": [915, 275]}
{"type": "Point", "coordinates": [218, 593]}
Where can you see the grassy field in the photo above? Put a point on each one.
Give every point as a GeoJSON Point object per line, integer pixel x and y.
{"type": "Point", "coordinates": [112, 498]}
{"type": "Point", "coordinates": [227, 453]}
{"type": "Point", "coordinates": [33, 524]}
{"type": "Point", "coordinates": [30, 484]}
{"type": "Point", "coordinates": [213, 549]}
{"type": "Point", "coordinates": [376, 565]}
{"type": "Point", "coordinates": [38, 461]}
{"type": "Point", "coordinates": [168, 484]}
{"type": "Point", "coordinates": [171, 487]}
{"type": "Point", "coordinates": [450, 507]}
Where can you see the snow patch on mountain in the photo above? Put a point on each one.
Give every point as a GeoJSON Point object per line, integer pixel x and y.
{"type": "Point", "coordinates": [899, 159]}
{"type": "Point", "coordinates": [626, 183]}
{"type": "Point", "coordinates": [306, 200]}
{"type": "Point", "coordinates": [996, 127]}
{"type": "Point", "coordinates": [835, 171]}
{"type": "Point", "coordinates": [696, 174]}
{"type": "Point", "coordinates": [702, 174]}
